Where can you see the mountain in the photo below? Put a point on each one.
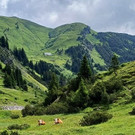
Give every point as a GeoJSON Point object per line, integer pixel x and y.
{"type": "Point", "coordinates": [67, 44]}
{"type": "Point", "coordinates": [18, 95]}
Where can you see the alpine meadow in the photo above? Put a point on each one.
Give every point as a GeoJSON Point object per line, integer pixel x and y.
{"type": "Point", "coordinates": [68, 80]}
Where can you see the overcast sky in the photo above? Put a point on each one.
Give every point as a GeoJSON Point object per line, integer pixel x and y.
{"type": "Point", "coordinates": [100, 15]}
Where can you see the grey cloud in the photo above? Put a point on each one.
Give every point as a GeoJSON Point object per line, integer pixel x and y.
{"type": "Point", "coordinates": [100, 15]}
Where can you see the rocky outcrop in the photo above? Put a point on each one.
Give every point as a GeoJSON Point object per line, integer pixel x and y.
{"type": "Point", "coordinates": [12, 107]}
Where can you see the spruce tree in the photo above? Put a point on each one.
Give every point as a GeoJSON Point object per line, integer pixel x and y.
{"type": "Point", "coordinates": [18, 77]}
{"type": "Point", "coordinates": [13, 80]}
{"type": "Point", "coordinates": [4, 42]}
{"type": "Point", "coordinates": [54, 82]}
{"type": "Point", "coordinates": [24, 86]}
{"type": "Point", "coordinates": [81, 95]}
{"type": "Point", "coordinates": [114, 64]}
{"type": "Point", "coordinates": [7, 69]}
{"type": "Point", "coordinates": [85, 70]}
{"type": "Point", "coordinates": [24, 57]}
{"type": "Point", "coordinates": [31, 65]}
{"type": "Point", "coordinates": [7, 81]}
{"type": "Point", "coordinates": [52, 90]}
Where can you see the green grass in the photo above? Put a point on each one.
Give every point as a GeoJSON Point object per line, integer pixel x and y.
{"type": "Point", "coordinates": [121, 123]}
{"type": "Point", "coordinates": [97, 58]}
{"type": "Point", "coordinates": [126, 72]}
{"type": "Point", "coordinates": [30, 36]}
{"type": "Point", "coordinates": [17, 96]}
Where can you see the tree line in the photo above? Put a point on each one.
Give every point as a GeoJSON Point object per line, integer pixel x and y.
{"type": "Point", "coordinates": [13, 78]}
{"type": "Point", "coordinates": [4, 42]}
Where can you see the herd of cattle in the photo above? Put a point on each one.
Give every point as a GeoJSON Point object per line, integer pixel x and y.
{"type": "Point", "coordinates": [56, 121]}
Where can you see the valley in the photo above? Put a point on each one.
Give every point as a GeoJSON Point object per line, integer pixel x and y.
{"type": "Point", "coordinates": [68, 72]}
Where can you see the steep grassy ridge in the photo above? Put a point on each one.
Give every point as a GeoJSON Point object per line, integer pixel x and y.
{"type": "Point", "coordinates": [23, 33]}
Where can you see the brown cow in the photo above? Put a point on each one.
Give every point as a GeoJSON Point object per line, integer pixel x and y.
{"type": "Point", "coordinates": [58, 121]}
{"type": "Point", "coordinates": [41, 122]}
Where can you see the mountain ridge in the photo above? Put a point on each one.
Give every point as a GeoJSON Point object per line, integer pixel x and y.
{"type": "Point", "coordinates": [38, 40]}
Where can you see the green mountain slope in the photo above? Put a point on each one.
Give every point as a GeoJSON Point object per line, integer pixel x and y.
{"type": "Point", "coordinates": [18, 96]}
{"type": "Point", "coordinates": [23, 33]}
{"type": "Point", "coordinates": [67, 43]}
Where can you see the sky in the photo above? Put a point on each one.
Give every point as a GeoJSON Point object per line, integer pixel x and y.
{"type": "Point", "coordinates": [100, 15]}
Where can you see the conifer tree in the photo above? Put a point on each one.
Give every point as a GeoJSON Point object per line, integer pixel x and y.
{"type": "Point", "coordinates": [54, 82]}
{"type": "Point", "coordinates": [24, 86]}
{"type": "Point", "coordinates": [81, 95]}
{"type": "Point", "coordinates": [21, 56]}
{"type": "Point", "coordinates": [18, 77]}
{"type": "Point", "coordinates": [31, 65]}
{"type": "Point", "coordinates": [114, 64]}
{"type": "Point", "coordinates": [13, 80]}
{"type": "Point", "coordinates": [85, 70]}
{"type": "Point", "coordinates": [52, 90]}
{"type": "Point", "coordinates": [24, 57]}
{"type": "Point", "coordinates": [7, 69]}
{"type": "Point", "coordinates": [4, 42]}
{"type": "Point", "coordinates": [7, 81]}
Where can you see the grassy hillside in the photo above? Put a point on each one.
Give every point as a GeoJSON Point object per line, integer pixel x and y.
{"type": "Point", "coordinates": [36, 90]}
{"type": "Point", "coordinates": [122, 122]}
{"type": "Point", "coordinates": [38, 40]}
{"type": "Point", "coordinates": [23, 33]}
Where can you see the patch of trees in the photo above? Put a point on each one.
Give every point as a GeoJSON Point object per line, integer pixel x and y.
{"type": "Point", "coordinates": [13, 78]}
{"type": "Point", "coordinates": [43, 68]}
{"type": "Point", "coordinates": [99, 67]}
{"type": "Point", "coordinates": [21, 56]}
{"type": "Point", "coordinates": [85, 31]}
{"type": "Point", "coordinates": [4, 42]}
{"type": "Point", "coordinates": [76, 53]}
{"type": "Point", "coordinates": [121, 44]}
{"type": "Point", "coordinates": [80, 92]}
{"type": "Point", "coordinates": [53, 90]}
{"type": "Point", "coordinates": [60, 51]}
{"type": "Point", "coordinates": [46, 70]}
{"type": "Point", "coordinates": [82, 38]}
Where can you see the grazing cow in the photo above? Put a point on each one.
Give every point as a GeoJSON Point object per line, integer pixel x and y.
{"type": "Point", "coordinates": [58, 121]}
{"type": "Point", "coordinates": [41, 122]}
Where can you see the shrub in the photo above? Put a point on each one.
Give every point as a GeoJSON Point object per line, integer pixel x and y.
{"type": "Point", "coordinates": [4, 133]}
{"type": "Point", "coordinates": [113, 85]}
{"type": "Point", "coordinates": [14, 133]}
{"type": "Point", "coordinates": [133, 93]}
{"type": "Point", "coordinates": [18, 127]}
{"type": "Point", "coordinates": [28, 110]}
{"type": "Point", "coordinates": [33, 110]}
{"type": "Point", "coordinates": [95, 118]}
{"type": "Point", "coordinates": [39, 110]}
{"type": "Point", "coordinates": [98, 94]}
{"type": "Point", "coordinates": [56, 108]}
{"type": "Point", "coordinates": [113, 98]}
{"type": "Point", "coordinates": [14, 116]}
{"type": "Point", "coordinates": [133, 111]}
